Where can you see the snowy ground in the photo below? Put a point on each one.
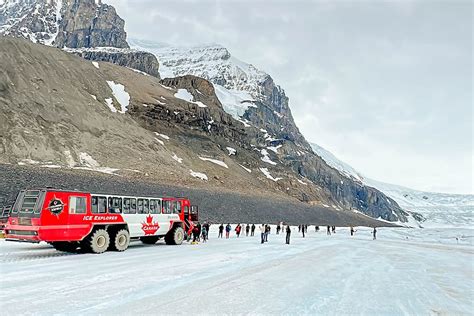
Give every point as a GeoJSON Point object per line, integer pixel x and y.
{"type": "Point", "coordinates": [405, 271]}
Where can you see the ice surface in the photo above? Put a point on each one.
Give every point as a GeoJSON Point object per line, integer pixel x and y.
{"type": "Point", "coordinates": [403, 272]}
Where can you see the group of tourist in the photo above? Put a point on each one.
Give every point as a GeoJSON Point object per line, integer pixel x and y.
{"type": "Point", "coordinates": [200, 232]}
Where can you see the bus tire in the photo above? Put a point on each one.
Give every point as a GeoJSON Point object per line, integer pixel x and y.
{"type": "Point", "coordinates": [149, 240]}
{"type": "Point", "coordinates": [65, 246]}
{"type": "Point", "coordinates": [121, 240]}
{"type": "Point", "coordinates": [98, 241]}
{"type": "Point", "coordinates": [175, 236]}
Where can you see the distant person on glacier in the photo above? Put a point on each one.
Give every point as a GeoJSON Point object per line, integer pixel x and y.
{"type": "Point", "coordinates": [316, 228]}
{"type": "Point", "coordinates": [299, 228]}
{"type": "Point", "coordinates": [252, 231]}
{"type": "Point", "coordinates": [267, 232]}
{"type": "Point", "coordinates": [334, 229]}
{"type": "Point", "coordinates": [228, 228]}
{"type": "Point", "coordinates": [278, 229]}
{"type": "Point", "coordinates": [221, 231]}
{"type": "Point", "coordinates": [375, 233]}
{"type": "Point", "coordinates": [262, 232]}
{"type": "Point", "coordinates": [303, 230]}
{"type": "Point", "coordinates": [238, 229]}
{"type": "Point", "coordinates": [247, 229]}
{"type": "Point", "coordinates": [329, 231]}
{"type": "Point", "coordinates": [204, 233]}
{"type": "Point", "coordinates": [288, 234]}
{"type": "Point", "coordinates": [196, 231]}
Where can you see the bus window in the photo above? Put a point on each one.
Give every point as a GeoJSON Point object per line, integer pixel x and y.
{"type": "Point", "coordinates": [94, 204]}
{"type": "Point", "coordinates": [178, 207]}
{"type": "Point", "coordinates": [98, 204]}
{"type": "Point", "coordinates": [116, 205]}
{"type": "Point", "coordinates": [155, 207]}
{"type": "Point", "coordinates": [186, 210]}
{"type": "Point", "coordinates": [140, 206]}
{"type": "Point", "coordinates": [194, 213]}
{"type": "Point", "coordinates": [166, 207]}
{"type": "Point", "coordinates": [126, 205]}
{"type": "Point", "coordinates": [146, 209]}
{"type": "Point", "coordinates": [133, 206]}
{"type": "Point", "coordinates": [77, 205]}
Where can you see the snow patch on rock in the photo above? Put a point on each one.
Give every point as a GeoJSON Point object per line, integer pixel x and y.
{"type": "Point", "coordinates": [199, 175]}
{"type": "Point", "coordinates": [215, 161]}
{"type": "Point", "coordinates": [268, 175]}
{"type": "Point", "coordinates": [122, 97]}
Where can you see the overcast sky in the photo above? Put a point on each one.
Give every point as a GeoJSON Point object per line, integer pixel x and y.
{"type": "Point", "coordinates": [385, 86]}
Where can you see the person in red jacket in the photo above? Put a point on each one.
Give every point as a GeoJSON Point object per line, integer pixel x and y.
{"type": "Point", "coordinates": [237, 230]}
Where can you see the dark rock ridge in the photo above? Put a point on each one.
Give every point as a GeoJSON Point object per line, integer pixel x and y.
{"type": "Point", "coordinates": [135, 59]}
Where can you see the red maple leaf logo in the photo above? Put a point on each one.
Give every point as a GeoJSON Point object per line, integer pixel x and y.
{"type": "Point", "coordinates": [148, 227]}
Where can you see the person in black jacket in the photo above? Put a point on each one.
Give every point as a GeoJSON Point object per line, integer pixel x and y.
{"type": "Point", "coordinates": [288, 234]}
{"type": "Point", "coordinates": [375, 233]}
{"type": "Point", "coordinates": [247, 229]}
{"type": "Point", "coordinates": [329, 230]}
{"type": "Point", "coordinates": [252, 230]}
{"type": "Point", "coordinates": [221, 231]}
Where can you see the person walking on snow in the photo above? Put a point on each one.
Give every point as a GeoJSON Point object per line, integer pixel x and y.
{"type": "Point", "coordinates": [278, 229]}
{"type": "Point", "coordinates": [267, 232]}
{"type": "Point", "coordinates": [288, 234]}
{"type": "Point", "coordinates": [228, 228]}
{"type": "Point", "coordinates": [352, 231]}
{"type": "Point", "coordinates": [262, 232]}
{"type": "Point", "coordinates": [299, 228]}
{"type": "Point", "coordinates": [329, 231]}
{"type": "Point", "coordinates": [221, 231]}
{"type": "Point", "coordinates": [303, 230]}
{"type": "Point", "coordinates": [237, 230]}
{"type": "Point", "coordinates": [196, 232]}
{"type": "Point", "coordinates": [247, 229]}
{"type": "Point", "coordinates": [252, 230]}
{"type": "Point", "coordinates": [204, 233]}
{"type": "Point", "coordinates": [375, 233]}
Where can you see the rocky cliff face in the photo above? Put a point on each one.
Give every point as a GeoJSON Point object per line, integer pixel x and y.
{"type": "Point", "coordinates": [90, 23]}
{"type": "Point", "coordinates": [126, 57]}
{"type": "Point", "coordinates": [74, 24]}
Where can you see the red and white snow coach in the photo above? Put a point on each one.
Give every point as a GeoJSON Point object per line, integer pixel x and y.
{"type": "Point", "coordinates": [97, 222]}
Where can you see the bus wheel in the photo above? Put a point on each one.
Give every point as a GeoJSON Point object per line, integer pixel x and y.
{"type": "Point", "coordinates": [65, 246]}
{"type": "Point", "coordinates": [121, 240]}
{"type": "Point", "coordinates": [149, 240]}
{"type": "Point", "coordinates": [99, 241]}
{"type": "Point", "coordinates": [175, 236]}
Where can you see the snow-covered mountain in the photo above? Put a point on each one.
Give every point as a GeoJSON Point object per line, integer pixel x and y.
{"type": "Point", "coordinates": [238, 84]}
{"type": "Point", "coordinates": [438, 209]}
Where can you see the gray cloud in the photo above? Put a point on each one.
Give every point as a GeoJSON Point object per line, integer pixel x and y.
{"type": "Point", "coordinates": [386, 86]}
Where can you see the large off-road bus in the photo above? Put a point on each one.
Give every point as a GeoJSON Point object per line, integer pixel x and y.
{"type": "Point", "coordinates": [69, 220]}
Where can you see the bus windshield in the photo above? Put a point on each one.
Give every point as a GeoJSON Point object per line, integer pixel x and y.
{"type": "Point", "coordinates": [28, 203]}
